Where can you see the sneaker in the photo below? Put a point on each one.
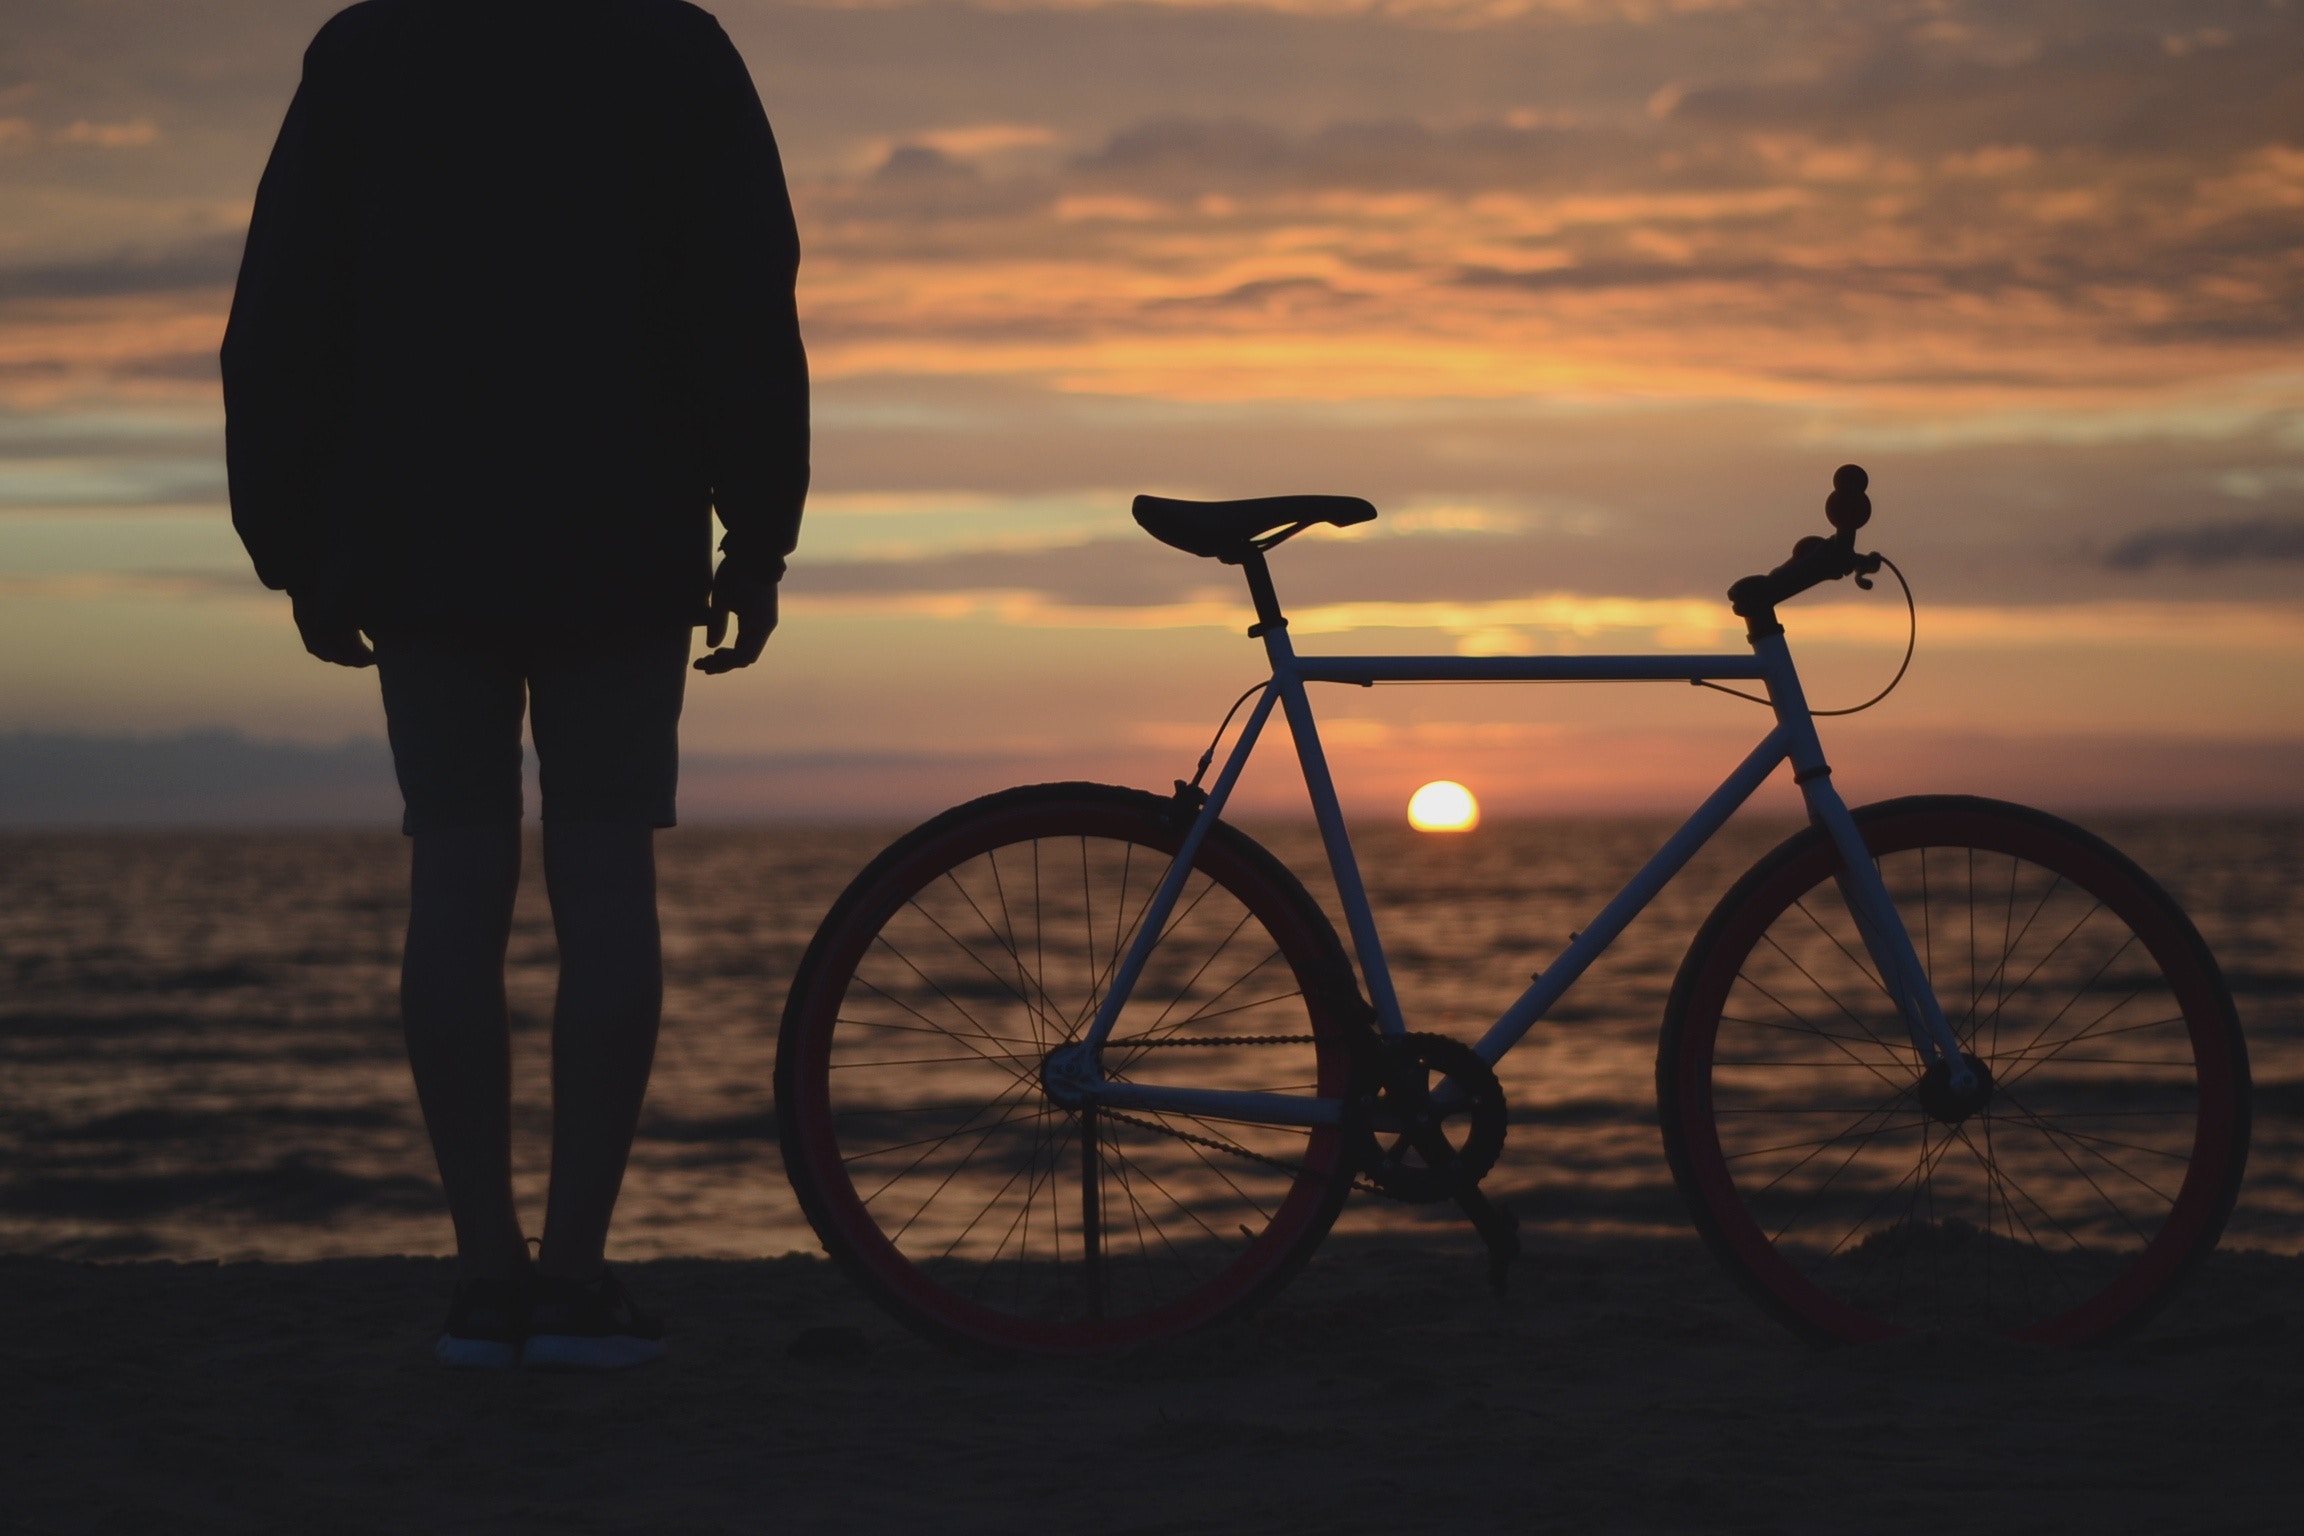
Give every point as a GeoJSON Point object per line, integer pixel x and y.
{"type": "Point", "coordinates": [591, 1325]}
{"type": "Point", "coordinates": [487, 1320]}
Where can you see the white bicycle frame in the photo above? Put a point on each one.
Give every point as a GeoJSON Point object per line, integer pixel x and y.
{"type": "Point", "coordinates": [1079, 1071]}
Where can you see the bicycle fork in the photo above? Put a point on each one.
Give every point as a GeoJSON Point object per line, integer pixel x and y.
{"type": "Point", "coordinates": [1886, 940]}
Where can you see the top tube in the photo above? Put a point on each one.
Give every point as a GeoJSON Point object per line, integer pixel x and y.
{"type": "Point", "coordinates": [1523, 669]}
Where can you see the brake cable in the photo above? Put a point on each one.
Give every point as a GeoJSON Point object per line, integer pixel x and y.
{"type": "Point", "coordinates": [1209, 756]}
{"type": "Point", "coordinates": [1911, 641]}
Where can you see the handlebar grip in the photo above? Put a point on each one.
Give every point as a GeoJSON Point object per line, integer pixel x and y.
{"type": "Point", "coordinates": [1848, 507]}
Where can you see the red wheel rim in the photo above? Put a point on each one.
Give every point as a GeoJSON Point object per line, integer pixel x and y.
{"type": "Point", "coordinates": [1306, 1207]}
{"type": "Point", "coordinates": [2198, 1206]}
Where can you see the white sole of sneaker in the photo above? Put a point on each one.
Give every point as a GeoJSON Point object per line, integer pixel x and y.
{"type": "Point", "coordinates": [576, 1352]}
{"type": "Point", "coordinates": [476, 1354]}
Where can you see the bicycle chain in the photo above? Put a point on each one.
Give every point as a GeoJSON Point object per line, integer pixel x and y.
{"type": "Point", "coordinates": [1143, 1044]}
{"type": "Point", "coordinates": [1106, 1112]}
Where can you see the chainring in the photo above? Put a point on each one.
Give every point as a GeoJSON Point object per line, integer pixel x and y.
{"type": "Point", "coordinates": [1412, 1069]}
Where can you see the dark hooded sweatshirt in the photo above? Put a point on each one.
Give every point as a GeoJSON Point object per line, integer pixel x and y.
{"type": "Point", "coordinates": [516, 315]}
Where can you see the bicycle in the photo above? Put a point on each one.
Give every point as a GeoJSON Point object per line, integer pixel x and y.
{"type": "Point", "coordinates": [1073, 1067]}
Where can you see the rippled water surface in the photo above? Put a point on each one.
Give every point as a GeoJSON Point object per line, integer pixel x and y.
{"type": "Point", "coordinates": [199, 1055]}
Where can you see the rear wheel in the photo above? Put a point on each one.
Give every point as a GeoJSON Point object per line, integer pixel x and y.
{"type": "Point", "coordinates": [917, 1131]}
{"type": "Point", "coordinates": [1849, 1192]}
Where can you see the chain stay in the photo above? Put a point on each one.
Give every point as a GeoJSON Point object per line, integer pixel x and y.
{"type": "Point", "coordinates": [1360, 1184]}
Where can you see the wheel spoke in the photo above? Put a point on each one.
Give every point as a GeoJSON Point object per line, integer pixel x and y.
{"type": "Point", "coordinates": [1827, 1035]}
{"type": "Point", "coordinates": [1005, 939]}
{"type": "Point", "coordinates": [1829, 995]}
{"type": "Point", "coordinates": [959, 1168]}
{"type": "Point", "coordinates": [981, 1032]}
{"type": "Point", "coordinates": [1915, 1181]}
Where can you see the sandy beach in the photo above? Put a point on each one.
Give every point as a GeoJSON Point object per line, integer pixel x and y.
{"type": "Point", "coordinates": [1622, 1386]}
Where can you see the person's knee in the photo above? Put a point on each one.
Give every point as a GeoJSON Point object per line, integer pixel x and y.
{"type": "Point", "coordinates": [608, 859]}
{"type": "Point", "coordinates": [602, 880]}
{"type": "Point", "coordinates": [465, 874]}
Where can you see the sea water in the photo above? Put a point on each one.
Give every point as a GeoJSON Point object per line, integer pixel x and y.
{"type": "Point", "coordinates": [200, 1056]}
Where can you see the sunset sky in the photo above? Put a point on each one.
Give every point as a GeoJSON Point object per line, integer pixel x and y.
{"type": "Point", "coordinates": [1588, 296]}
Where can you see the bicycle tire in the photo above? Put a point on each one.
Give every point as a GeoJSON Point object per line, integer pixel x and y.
{"type": "Point", "coordinates": [923, 1145]}
{"type": "Point", "coordinates": [2072, 1203]}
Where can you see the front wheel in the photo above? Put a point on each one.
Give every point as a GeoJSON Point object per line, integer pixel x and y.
{"type": "Point", "coordinates": [1850, 1192]}
{"type": "Point", "coordinates": [928, 1152]}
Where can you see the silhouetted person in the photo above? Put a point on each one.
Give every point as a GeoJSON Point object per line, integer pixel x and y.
{"type": "Point", "coordinates": [515, 318]}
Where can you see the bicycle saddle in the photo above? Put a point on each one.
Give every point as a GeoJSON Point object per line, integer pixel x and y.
{"type": "Point", "coordinates": [1227, 530]}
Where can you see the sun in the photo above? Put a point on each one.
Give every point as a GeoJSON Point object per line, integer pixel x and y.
{"type": "Point", "coordinates": [1443, 806]}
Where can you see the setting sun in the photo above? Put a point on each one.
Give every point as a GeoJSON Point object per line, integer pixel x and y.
{"type": "Point", "coordinates": [1443, 806]}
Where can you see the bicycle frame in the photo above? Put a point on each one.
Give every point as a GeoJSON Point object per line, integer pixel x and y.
{"type": "Point", "coordinates": [1077, 1070]}
{"type": "Point", "coordinates": [1793, 740]}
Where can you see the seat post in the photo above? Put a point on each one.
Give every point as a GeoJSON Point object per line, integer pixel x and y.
{"type": "Point", "coordinates": [1268, 614]}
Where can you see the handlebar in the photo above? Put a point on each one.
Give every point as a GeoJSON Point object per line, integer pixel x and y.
{"type": "Point", "coordinates": [1815, 560]}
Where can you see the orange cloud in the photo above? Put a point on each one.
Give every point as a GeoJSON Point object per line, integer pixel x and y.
{"type": "Point", "coordinates": [134, 134]}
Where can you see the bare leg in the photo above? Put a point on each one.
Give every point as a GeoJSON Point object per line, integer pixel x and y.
{"type": "Point", "coordinates": [602, 878]}
{"type": "Point", "coordinates": [459, 1044]}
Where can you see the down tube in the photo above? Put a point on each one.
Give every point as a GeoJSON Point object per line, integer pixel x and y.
{"type": "Point", "coordinates": [1561, 974]}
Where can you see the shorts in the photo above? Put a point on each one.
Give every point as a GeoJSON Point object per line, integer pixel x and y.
{"type": "Point", "coordinates": [605, 718]}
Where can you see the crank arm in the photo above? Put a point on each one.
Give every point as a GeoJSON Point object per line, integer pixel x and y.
{"type": "Point", "coordinates": [1410, 1112]}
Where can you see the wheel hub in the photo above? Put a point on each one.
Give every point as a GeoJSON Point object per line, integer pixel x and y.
{"type": "Point", "coordinates": [1947, 1104]}
{"type": "Point", "coordinates": [1068, 1074]}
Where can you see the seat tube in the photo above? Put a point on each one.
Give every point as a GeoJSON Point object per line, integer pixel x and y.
{"type": "Point", "coordinates": [1879, 923]}
{"type": "Point", "coordinates": [1341, 861]}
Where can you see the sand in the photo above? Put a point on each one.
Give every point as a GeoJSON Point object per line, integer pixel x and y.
{"type": "Point", "coordinates": [1622, 1386]}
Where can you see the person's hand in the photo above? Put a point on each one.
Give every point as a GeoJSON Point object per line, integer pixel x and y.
{"type": "Point", "coordinates": [754, 605]}
{"type": "Point", "coordinates": [331, 637]}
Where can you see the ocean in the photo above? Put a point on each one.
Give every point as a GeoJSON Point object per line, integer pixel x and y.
{"type": "Point", "coordinates": [200, 1058]}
